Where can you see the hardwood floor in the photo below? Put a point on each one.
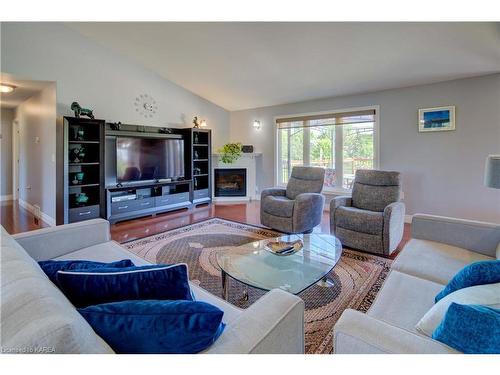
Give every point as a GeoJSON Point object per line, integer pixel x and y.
{"type": "Point", "coordinates": [16, 219]}
{"type": "Point", "coordinates": [244, 213]}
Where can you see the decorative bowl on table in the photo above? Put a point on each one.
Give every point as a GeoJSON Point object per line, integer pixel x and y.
{"type": "Point", "coordinates": [283, 248]}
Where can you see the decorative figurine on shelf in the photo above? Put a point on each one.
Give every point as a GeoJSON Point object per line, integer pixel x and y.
{"type": "Point", "coordinates": [165, 131]}
{"type": "Point", "coordinates": [79, 111]}
{"type": "Point", "coordinates": [81, 199]}
{"type": "Point", "coordinates": [80, 134]}
{"type": "Point", "coordinates": [77, 155]}
{"type": "Point", "coordinates": [196, 122]}
{"type": "Point", "coordinates": [195, 140]}
{"type": "Point", "coordinates": [196, 155]}
{"type": "Point", "coordinates": [115, 125]}
{"type": "Point", "coordinates": [196, 171]}
{"type": "Point", "coordinates": [78, 178]}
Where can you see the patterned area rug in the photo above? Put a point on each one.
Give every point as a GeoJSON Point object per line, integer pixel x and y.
{"type": "Point", "coordinates": [357, 277]}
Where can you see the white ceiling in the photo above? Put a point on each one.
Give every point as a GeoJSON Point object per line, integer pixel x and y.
{"type": "Point", "coordinates": [249, 65]}
{"type": "Point", "coordinates": [24, 90]}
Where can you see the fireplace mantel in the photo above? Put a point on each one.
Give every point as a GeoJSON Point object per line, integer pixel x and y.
{"type": "Point", "coordinates": [246, 161]}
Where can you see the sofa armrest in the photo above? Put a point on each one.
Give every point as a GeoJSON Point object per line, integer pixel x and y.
{"type": "Point", "coordinates": [272, 325]}
{"type": "Point", "coordinates": [358, 333]}
{"type": "Point", "coordinates": [48, 243]}
{"type": "Point", "coordinates": [477, 236]}
{"type": "Point", "coordinates": [277, 192]}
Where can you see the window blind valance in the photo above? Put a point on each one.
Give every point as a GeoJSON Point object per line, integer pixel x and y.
{"type": "Point", "coordinates": [326, 119]}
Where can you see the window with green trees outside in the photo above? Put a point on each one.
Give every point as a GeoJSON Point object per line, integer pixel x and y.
{"type": "Point", "coordinates": [340, 142]}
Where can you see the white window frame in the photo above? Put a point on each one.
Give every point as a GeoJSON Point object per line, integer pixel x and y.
{"type": "Point", "coordinates": [376, 142]}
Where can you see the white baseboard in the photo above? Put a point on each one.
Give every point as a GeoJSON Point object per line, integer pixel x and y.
{"type": "Point", "coordinates": [46, 218]}
{"type": "Point", "coordinates": [6, 197]}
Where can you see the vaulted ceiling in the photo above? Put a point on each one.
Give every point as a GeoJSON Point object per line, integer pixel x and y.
{"type": "Point", "coordinates": [248, 65]}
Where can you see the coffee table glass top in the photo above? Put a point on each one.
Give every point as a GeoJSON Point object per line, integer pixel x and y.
{"type": "Point", "coordinates": [255, 266]}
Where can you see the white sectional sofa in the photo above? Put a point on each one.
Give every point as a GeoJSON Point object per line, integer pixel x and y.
{"type": "Point", "coordinates": [37, 318]}
{"type": "Point", "coordinates": [439, 248]}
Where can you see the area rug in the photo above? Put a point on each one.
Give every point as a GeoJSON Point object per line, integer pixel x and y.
{"type": "Point", "coordinates": [357, 277]}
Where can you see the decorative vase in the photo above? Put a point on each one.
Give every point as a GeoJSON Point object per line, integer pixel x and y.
{"type": "Point", "coordinates": [81, 199]}
{"type": "Point", "coordinates": [78, 178]}
{"type": "Point", "coordinates": [80, 134]}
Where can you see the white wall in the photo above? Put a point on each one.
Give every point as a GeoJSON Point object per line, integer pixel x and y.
{"type": "Point", "coordinates": [37, 144]}
{"type": "Point", "coordinates": [442, 172]}
{"type": "Point", "coordinates": [6, 119]}
{"type": "Point", "coordinates": [100, 79]}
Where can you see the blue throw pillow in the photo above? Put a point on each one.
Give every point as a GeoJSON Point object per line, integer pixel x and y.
{"type": "Point", "coordinates": [182, 327]}
{"type": "Point", "coordinates": [50, 267]}
{"type": "Point", "coordinates": [478, 273]}
{"type": "Point", "coordinates": [471, 329]}
{"type": "Point", "coordinates": [102, 285]}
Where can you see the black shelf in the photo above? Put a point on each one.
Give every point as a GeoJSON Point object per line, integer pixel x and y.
{"type": "Point", "coordinates": [79, 164]}
{"type": "Point", "coordinates": [85, 138]}
{"type": "Point", "coordinates": [147, 199]}
{"type": "Point", "coordinates": [84, 142]}
{"type": "Point", "coordinates": [83, 186]}
{"type": "Point", "coordinates": [197, 153]}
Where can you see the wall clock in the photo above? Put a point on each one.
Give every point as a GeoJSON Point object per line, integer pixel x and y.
{"type": "Point", "coordinates": [145, 105]}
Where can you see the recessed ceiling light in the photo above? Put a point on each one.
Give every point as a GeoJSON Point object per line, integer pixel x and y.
{"type": "Point", "coordinates": [4, 88]}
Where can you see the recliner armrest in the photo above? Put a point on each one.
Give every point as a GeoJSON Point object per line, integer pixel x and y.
{"type": "Point", "coordinates": [358, 333]}
{"type": "Point", "coordinates": [277, 192]}
{"type": "Point", "coordinates": [394, 223]}
{"type": "Point", "coordinates": [340, 201]}
{"type": "Point", "coordinates": [307, 210]}
{"type": "Point", "coordinates": [336, 202]}
{"type": "Point", "coordinates": [53, 242]}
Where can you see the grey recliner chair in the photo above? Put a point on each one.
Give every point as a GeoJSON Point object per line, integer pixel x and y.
{"type": "Point", "coordinates": [373, 219]}
{"type": "Point", "coordinates": [299, 207]}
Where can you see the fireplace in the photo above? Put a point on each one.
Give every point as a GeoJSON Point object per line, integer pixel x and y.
{"type": "Point", "coordinates": [230, 182]}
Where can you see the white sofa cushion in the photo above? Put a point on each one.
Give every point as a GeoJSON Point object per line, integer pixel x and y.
{"type": "Point", "coordinates": [36, 316]}
{"type": "Point", "coordinates": [434, 261]}
{"type": "Point", "coordinates": [403, 300]}
{"type": "Point", "coordinates": [105, 252]}
{"type": "Point", "coordinates": [487, 295]}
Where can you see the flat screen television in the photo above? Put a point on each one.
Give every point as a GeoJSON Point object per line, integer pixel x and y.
{"type": "Point", "coordinates": [143, 159]}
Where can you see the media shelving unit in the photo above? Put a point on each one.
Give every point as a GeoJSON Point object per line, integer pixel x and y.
{"type": "Point", "coordinates": [154, 197]}
{"type": "Point", "coordinates": [118, 202]}
{"type": "Point", "coordinates": [81, 174]}
{"type": "Point", "coordinates": [147, 199]}
{"type": "Point", "coordinates": [198, 149]}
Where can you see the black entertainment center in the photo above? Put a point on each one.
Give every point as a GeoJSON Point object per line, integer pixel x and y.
{"type": "Point", "coordinates": [129, 171]}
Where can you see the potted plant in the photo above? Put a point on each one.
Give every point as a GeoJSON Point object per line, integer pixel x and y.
{"type": "Point", "coordinates": [230, 152]}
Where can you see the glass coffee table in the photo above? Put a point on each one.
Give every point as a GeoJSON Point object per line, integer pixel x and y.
{"type": "Point", "coordinates": [254, 265]}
